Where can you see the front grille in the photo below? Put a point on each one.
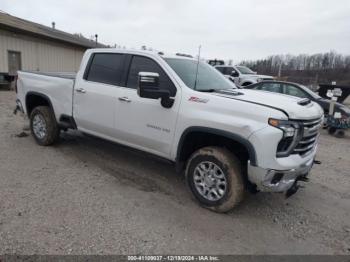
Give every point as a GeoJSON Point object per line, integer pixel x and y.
{"type": "Point", "coordinates": [310, 132]}
{"type": "Point", "coordinates": [284, 144]}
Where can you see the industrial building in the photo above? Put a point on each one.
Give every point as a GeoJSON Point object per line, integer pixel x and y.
{"type": "Point", "coordinates": [29, 46]}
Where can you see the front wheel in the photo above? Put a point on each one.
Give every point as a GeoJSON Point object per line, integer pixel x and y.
{"type": "Point", "coordinates": [215, 178]}
{"type": "Point", "coordinates": [43, 126]}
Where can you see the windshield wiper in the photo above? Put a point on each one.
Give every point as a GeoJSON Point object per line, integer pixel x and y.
{"type": "Point", "coordinates": [207, 90]}
{"type": "Point", "coordinates": [212, 90]}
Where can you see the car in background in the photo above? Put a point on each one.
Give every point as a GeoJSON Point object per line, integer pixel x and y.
{"type": "Point", "coordinates": [241, 75]}
{"type": "Point", "coordinates": [298, 90]}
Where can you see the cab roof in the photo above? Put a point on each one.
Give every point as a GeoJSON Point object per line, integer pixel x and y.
{"type": "Point", "coordinates": [140, 52]}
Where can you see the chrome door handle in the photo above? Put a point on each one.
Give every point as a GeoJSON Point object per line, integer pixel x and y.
{"type": "Point", "coordinates": [124, 99]}
{"type": "Point", "coordinates": [81, 90]}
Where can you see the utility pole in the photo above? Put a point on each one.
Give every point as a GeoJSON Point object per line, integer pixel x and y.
{"type": "Point", "coordinates": [199, 57]}
{"type": "Point", "coordinates": [280, 70]}
{"type": "Point", "coordinates": [96, 36]}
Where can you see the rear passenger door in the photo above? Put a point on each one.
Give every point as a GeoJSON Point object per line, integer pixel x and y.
{"type": "Point", "coordinates": [96, 94]}
{"type": "Point", "coordinates": [143, 123]}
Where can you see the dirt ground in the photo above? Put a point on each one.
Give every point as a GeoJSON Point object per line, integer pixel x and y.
{"type": "Point", "coordinates": [88, 196]}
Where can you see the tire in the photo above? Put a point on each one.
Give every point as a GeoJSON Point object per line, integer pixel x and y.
{"type": "Point", "coordinates": [332, 130]}
{"type": "Point", "coordinates": [339, 133]}
{"type": "Point", "coordinates": [43, 126]}
{"type": "Point", "coordinates": [226, 168]}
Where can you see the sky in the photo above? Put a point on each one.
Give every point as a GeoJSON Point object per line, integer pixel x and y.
{"type": "Point", "coordinates": [226, 29]}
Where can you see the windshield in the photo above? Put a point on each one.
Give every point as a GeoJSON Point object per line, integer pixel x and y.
{"type": "Point", "coordinates": [208, 77]}
{"type": "Point", "coordinates": [245, 70]}
{"type": "Point", "coordinates": [311, 93]}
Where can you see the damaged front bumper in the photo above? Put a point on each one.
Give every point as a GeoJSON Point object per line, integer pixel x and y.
{"type": "Point", "coordinates": [270, 180]}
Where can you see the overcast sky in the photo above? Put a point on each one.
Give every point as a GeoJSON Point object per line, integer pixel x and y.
{"type": "Point", "coordinates": [244, 29]}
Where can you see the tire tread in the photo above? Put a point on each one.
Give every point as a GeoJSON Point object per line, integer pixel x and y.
{"type": "Point", "coordinates": [53, 130]}
{"type": "Point", "coordinates": [236, 191]}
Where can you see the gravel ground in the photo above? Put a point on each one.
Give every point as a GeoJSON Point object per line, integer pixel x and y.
{"type": "Point", "coordinates": [88, 196]}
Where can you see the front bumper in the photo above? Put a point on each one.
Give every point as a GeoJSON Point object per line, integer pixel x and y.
{"type": "Point", "coordinates": [270, 180]}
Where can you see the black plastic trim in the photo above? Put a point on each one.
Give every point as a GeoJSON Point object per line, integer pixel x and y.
{"type": "Point", "coordinates": [67, 121]}
{"type": "Point", "coordinates": [42, 96]}
{"type": "Point", "coordinates": [235, 137]}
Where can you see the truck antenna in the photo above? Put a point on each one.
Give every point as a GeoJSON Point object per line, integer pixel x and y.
{"type": "Point", "coordinates": [199, 55]}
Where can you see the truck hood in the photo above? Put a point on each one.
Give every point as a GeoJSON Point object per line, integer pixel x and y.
{"type": "Point", "coordinates": [291, 106]}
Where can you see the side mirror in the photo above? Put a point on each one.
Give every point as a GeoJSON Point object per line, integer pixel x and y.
{"type": "Point", "coordinates": [148, 87]}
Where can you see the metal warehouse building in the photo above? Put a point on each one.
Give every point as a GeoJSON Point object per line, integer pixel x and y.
{"type": "Point", "coordinates": [29, 46]}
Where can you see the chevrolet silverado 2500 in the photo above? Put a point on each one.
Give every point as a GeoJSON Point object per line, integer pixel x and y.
{"type": "Point", "coordinates": [225, 139]}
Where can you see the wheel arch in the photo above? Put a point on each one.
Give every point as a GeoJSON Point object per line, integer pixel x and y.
{"type": "Point", "coordinates": [34, 99]}
{"type": "Point", "coordinates": [187, 146]}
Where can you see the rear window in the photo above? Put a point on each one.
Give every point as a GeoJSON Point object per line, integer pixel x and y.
{"type": "Point", "coordinates": [106, 68]}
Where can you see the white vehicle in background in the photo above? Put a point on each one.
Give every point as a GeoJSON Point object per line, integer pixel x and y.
{"type": "Point", "coordinates": [241, 75]}
{"type": "Point", "coordinates": [225, 140]}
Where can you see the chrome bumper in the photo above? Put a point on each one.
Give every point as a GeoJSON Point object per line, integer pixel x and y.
{"type": "Point", "coordinates": [270, 180]}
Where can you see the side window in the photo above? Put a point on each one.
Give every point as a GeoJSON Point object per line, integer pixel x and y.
{"type": "Point", "coordinates": [228, 70]}
{"type": "Point", "coordinates": [106, 68]}
{"type": "Point", "coordinates": [271, 87]}
{"type": "Point", "coordinates": [145, 64]}
{"type": "Point", "coordinates": [294, 91]}
{"type": "Point", "coordinates": [220, 69]}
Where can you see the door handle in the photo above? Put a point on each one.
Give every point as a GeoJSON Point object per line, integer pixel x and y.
{"type": "Point", "coordinates": [81, 90]}
{"type": "Point", "coordinates": [124, 99]}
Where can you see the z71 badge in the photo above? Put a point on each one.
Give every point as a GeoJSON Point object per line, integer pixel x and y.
{"type": "Point", "coordinates": [198, 100]}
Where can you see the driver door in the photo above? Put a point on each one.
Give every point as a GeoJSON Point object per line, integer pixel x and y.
{"type": "Point", "coordinates": [232, 74]}
{"type": "Point", "coordinates": [143, 123]}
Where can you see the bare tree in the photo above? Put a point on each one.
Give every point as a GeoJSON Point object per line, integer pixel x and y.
{"type": "Point", "coordinates": [304, 68]}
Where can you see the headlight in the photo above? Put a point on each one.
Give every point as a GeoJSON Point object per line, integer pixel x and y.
{"type": "Point", "coordinates": [291, 136]}
{"type": "Point", "coordinates": [259, 80]}
{"type": "Point", "coordinates": [289, 128]}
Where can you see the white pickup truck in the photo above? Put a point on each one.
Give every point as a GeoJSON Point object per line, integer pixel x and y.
{"type": "Point", "coordinates": [242, 75]}
{"type": "Point", "coordinates": [226, 140]}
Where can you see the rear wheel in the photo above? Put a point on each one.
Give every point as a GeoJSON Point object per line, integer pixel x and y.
{"type": "Point", "coordinates": [43, 126]}
{"type": "Point", "coordinates": [215, 179]}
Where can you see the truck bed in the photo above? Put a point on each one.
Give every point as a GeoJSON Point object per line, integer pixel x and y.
{"type": "Point", "coordinates": [68, 75]}
{"type": "Point", "coordinates": [58, 87]}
